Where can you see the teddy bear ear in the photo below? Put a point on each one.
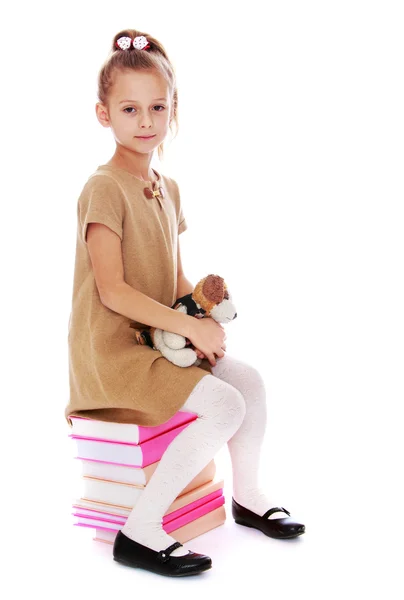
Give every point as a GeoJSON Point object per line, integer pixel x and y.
{"type": "Point", "coordinates": [213, 288]}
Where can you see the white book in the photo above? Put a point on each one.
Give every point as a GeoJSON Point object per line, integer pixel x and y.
{"type": "Point", "coordinates": [124, 453]}
{"type": "Point", "coordinates": [137, 475]}
{"type": "Point", "coordinates": [111, 492]}
{"type": "Point", "coordinates": [88, 522]}
{"type": "Point", "coordinates": [120, 453]}
{"type": "Point", "coordinates": [121, 473]}
{"type": "Point", "coordinates": [91, 508]}
{"type": "Point", "coordinates": [125, 432]}
{"type": "Point", "coordinates": [122, 495]}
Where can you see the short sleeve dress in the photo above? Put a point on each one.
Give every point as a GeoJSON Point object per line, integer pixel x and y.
{"type": "Point", "coordinates": [111, 377]}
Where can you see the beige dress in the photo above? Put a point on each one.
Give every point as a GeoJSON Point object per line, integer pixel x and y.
{"type": "Point", "coordinates": [112, 378]}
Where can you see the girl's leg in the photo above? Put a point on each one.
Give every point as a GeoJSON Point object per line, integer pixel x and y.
{"type": "Point", "coordinates": [245, 445]}
{"type": "Point", "coordinates": [221, 409]}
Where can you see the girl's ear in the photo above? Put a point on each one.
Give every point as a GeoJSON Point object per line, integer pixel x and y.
{"type": "Point", "coordinates": [102, 114]}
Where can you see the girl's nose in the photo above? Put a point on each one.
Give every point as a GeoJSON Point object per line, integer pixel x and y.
{"type": "Point", "coordinates": [146, 121]}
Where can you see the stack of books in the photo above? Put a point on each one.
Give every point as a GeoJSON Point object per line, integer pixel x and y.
{"type": "Point", "coordinates": [117, 461]}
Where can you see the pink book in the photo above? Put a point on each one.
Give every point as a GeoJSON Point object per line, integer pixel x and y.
{"type": "Point", "coordinates": [183, 534]}
{"type": "Point", "coordinates": [122, 453]}
{"type": "Point", "coordinates": [180, 521]}
{"type": "Point", "coordinates": [125, 432]}
{"type": "Point", "coordinates": [135, 475]}
{"type": "Point", "coordinates": [194, 514]}
{"type": "Point", "coordinates": [90, 516]}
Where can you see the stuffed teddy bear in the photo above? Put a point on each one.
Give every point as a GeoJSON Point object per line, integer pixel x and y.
{"type": "Point", "coordinates": [210, 298]}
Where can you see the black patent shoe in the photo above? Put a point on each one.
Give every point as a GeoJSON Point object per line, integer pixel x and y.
{"type": "Point", "coordinates": [133, 554]}
{"type": "Point", "coordinates": [280, 529]}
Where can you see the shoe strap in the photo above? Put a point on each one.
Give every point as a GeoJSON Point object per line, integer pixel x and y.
{"type": "Point", "coordinates": [164, 555]}
{"type": "Point", "coordinates": [271, 511]}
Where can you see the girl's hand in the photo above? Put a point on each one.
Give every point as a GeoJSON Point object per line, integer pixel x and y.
{"type": "Point", "coordinates": [207, 336]}
{"type": "Point", "coordinates": [201, 354]}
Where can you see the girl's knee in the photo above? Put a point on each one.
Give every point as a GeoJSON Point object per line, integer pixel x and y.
{"type": "Point", "coordinates": [215, 399]}
{"type": "Point", "coordinates": [238, 373]}
{"type": "Point", "coordinates": [249, 374]}
{"type": "Point", "coordinates": [227, 405]}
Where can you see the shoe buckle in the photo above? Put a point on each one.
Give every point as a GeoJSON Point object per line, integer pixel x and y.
{"type": "Point", "coordinates": [163, 556]}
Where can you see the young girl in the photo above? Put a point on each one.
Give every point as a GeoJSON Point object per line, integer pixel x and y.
{"type": "Point", "coordinates": [128, 272]}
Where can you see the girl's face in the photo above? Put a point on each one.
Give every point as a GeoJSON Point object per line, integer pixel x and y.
{"type": "Point", "coordinates": [139, 105]}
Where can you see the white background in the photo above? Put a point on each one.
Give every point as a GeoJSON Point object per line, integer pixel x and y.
{"type": "Point", "coordinates": [289, 159]}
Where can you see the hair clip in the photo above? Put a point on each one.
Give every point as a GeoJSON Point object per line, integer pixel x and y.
{"type": "Point", "coordinates": [140, 43]}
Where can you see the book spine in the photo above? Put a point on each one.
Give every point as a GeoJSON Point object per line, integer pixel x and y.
{"type": "Point", "coordinates": [123, 453]}
{"type": "Point", "coordinates": [153, 449]}
{"type": "Point", "coordinates": [180, 418]}
{"type": "Point", "coordinates": [126, 433]}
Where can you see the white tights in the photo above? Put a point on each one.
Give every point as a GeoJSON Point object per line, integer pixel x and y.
{"type": "Point", "coordinates": [231, 407]}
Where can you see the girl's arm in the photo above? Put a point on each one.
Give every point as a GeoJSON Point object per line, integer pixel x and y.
{"type": "Point", "coordinates": [127, 301]}
{"type": "Point", "coordinates": [184, 286]}
{"type": "Point", "coordinates": [105, 252]}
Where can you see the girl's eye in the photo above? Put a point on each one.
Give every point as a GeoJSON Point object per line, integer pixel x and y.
{"type": "Point", "coordinates": [130, 107]}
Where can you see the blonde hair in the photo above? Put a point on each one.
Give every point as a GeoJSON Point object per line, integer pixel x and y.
{"type": "Point", "coordinates": [153, 59]}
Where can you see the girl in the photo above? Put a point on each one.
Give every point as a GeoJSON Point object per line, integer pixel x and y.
{"type": "Point", "coordinates": [128, 272]}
